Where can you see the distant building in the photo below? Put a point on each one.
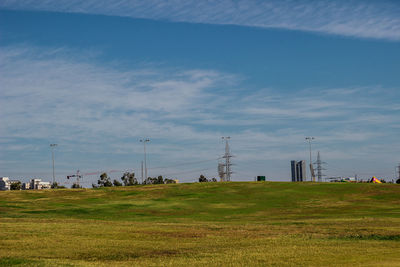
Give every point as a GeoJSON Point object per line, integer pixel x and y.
{"type": "Point", "coordinates": [44, 185]}
{"type": "Point", "coordinates": [34, 183]}
{"type": "Point", "coordinates": [298, 170]}
{"type": "Point", "coordinates": [26, 186]}
{"type": "Point", "coordinates": [342, 179]}
{"type": "Point", "coordinates": [5, 183]}
{"type": "Point", "coordinates": [260, 178]}
{"type": "Point", "coordinates": [38, 184]}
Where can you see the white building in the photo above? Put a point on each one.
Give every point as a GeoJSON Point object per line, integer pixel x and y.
{"type": "Point", "coordinates": [38, 184]}
{"type": "Point", "coordinates": [44, 185]}
{"type": "Point", "coordinates": [5, 183]}
{"type": "Point", "coordinates": [26, 186]}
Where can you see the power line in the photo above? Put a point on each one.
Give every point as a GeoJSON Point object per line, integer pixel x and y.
{"type": "Point", "coordinates": [184, 172]}
{"type": "Point", "coordinates": [110, 171]}
{"type": "Point", "coordinates": [353, 171]}
{"type": "Point", "coordinates": [188, 163]}
{"type": "Point", "coordinates": [160, 167]}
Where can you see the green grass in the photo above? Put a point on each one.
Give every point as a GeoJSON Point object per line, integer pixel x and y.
{"type": "Point", "coordinates": [210, 224]}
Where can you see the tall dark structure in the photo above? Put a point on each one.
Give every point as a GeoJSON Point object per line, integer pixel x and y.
{"type": "Point", "coordinates": [298, 170]}
{"type": "Point", "coordinates": [293, 168]}
{"type": "Point", "coordinates": [398, 171]}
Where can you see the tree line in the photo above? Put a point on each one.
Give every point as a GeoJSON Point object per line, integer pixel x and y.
{"type": "Point", "coordinates": [129, 179]}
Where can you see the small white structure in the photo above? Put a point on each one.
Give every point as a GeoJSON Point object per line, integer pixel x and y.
{"type": "Point", "coordinates": [38, 184]}
{"type": "Point", "coordinates": [44, 185]}
{"type": "Point", "coordinates": [26, 186]}
{"type": "Point", "coordinates": [5, 183]}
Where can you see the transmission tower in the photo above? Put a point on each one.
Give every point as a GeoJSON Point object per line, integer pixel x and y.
{"type": "Point", "coordinates": [227, 173]}
{"type": "Point", "coordinates": [319, 167]}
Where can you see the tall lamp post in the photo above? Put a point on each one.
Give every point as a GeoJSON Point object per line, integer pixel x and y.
{"type": "Point", "coordinates": [52, 157]}
{"type": "Point", "coordinates": [309, 139]}
{"type": "Point", "coordinates": [144, 141]}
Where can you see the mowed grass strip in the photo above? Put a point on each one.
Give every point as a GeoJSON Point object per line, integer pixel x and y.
{"type": "Point", "coordinates": [210, 201]}
{"type": "Point", "coordinates": [214, 224]}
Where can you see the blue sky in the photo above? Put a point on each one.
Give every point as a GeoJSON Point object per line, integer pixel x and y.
{"type": "Point", "coordinates": [95, 77]}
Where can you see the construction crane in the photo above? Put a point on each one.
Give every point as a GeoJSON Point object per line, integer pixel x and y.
{"type": "Point", "coordinates": [78, 176]}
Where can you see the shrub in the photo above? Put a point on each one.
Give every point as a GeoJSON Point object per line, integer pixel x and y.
{"type": "Point", "coordinates": [104, 181]}
{"type": "Point", "coordinates": [117, 183]}
{"type": "Point", "coordinates": [15, 186]}
{"type": "Point", "coordinates": [202, 179]}
{"type": "Point", "coordinates": [128, 178]}
{"type": "Point", "coordinates": [55, 185]}
{"type": "Point", "coordinates": [76, 185]}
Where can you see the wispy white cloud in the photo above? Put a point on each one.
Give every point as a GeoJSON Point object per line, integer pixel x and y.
{"type": "Point", "coordinates": [97, 113]}
{"type": "Point", "coordinates": [356, 18]}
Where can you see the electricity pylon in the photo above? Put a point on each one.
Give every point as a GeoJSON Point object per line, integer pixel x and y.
{"type": "Point", "coordinates": [319, 167]}
{"type": "Point", "coordinates": [227, 157]}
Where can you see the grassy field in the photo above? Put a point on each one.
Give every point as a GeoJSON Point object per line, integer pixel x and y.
{"type": "Point", "coordinates": [208, 224]}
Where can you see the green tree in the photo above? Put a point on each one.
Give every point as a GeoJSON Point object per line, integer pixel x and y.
{"type": "Point", "coordinates": [202, 179]}
{"type": "Point", "coordinates": [104, 180]}
{"type": "Point", "coordinates": [151, 180]}
{"type": "Point", "coordinates": [160, 180]}
{"type": "Point", "coordinates": [117, 183]}
{"type": "Point", "coordinates": [55, 185]}
{"type": "Point", "coordinates": [15, 186]}
{"type": "Point", "coordinates": [76, 185]}
{"type": "Point", "coordinates": [128, 178]}
{"type": "Point", "coordinates": [169, 181]}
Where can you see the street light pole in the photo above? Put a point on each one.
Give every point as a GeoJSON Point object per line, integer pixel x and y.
{"type": "Point", "coordinates": [142, 171]}
{"type": "Point", "coordinates": [310, 139]}
{"type": "Point", "coordinates": [144, 141]}
{"type": "Point", "coordinates": [52, 157]}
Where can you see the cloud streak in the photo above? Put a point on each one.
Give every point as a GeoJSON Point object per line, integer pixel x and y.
{"type": "Point", "coordinates": [354, 18]}
{"type": "Point", "coordinates": [97, 114]}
